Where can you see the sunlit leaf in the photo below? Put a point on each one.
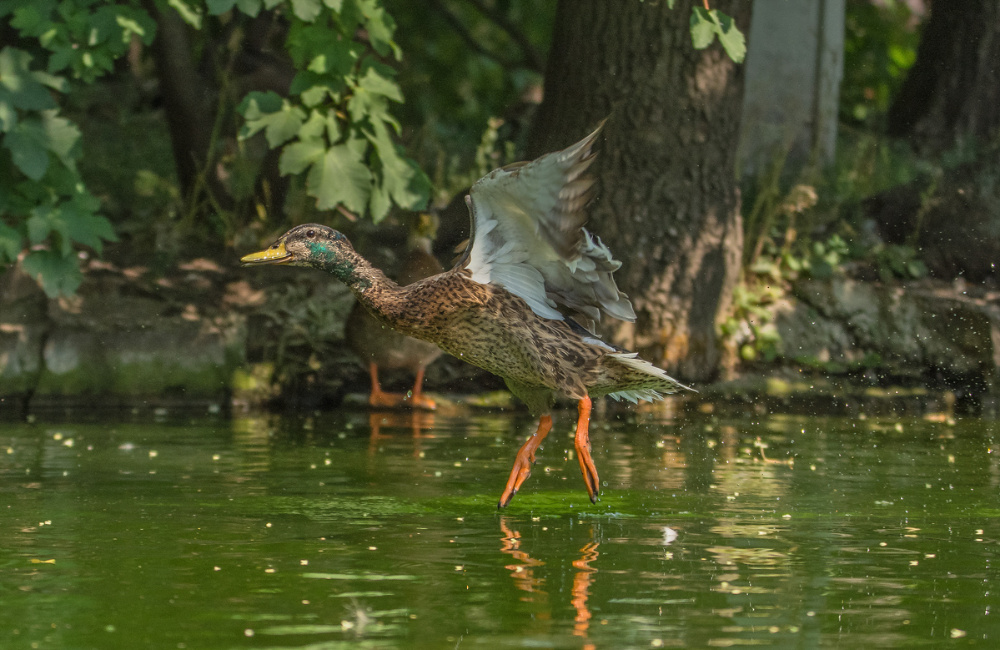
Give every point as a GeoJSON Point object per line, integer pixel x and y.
{"type": "Point", "coordinates": [315, 127]}
{"type": "Point", "coordinates": [702, 28]}
{"type": "Point", "coordinates": [62, 137]}
{"type": "Point", "coordinates": [380, 27]}
{"type": "Point", "coordinates": [296, 157]}
{"type": "Point", "coordinates": [377, 82]}
{"type": "Point", "coordinates": [706, 24]}
{"type": "Point", "coordinates": [8, 117]}
{"type": "Point", "coordinates": [19, 85]}
{"type": "Point", "coordinates": [306, 10]}
{"type": "Point", "coordinates": [340, 177]}
{"type": "Point", "coordinates": [191, 15]}
{"type": "Point", "coordinates": [732, 39]}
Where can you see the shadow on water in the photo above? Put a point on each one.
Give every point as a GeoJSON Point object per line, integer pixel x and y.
{"type": "Point", "coordinates": [380, 530]}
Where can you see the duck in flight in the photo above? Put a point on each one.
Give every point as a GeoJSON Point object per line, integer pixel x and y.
{"type": "Point", "coordinates": [521, 302]}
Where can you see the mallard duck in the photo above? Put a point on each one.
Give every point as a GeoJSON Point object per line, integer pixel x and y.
{"type": "Point", "coordinates": [521, 302]}
{"type": "Point", "coordinates": [380, 346]}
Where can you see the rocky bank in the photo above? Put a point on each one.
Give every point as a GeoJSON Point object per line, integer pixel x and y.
{"type": "Point", "coordinates": [212, 336]}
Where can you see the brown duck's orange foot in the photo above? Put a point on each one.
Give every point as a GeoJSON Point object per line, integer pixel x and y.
{"type": "Point", "coordinates": [417, 399]}
{"type": "Point", "coordinates": [380, 399]}
{"type": "Point", "coordinates": [582, 444]}
{"type": "Point", "coordinates": [525, 459]}
{"type": "Point", "coordinates": [420, 402]}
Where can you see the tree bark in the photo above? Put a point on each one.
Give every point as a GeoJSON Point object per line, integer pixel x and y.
{"type": "Point", "coordinates": [952, 92]}
{"type": "Point", "coordinates": [668, 204]}
{"type": "Point", "coordinates": [186, 97]}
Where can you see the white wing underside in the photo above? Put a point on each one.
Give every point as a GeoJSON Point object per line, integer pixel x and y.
{"type": "Point", "coordinates": [528, 236]}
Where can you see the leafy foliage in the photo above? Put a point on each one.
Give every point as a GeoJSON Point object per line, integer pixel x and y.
{"type": "Point", "coordinates": [41, 192]}
{"type": "Point", "coordinates": [44, 204]}
{"type": "Point", "coordinates": [709, 24]}
{"type": "Point", "coordinates": [336, 127]}
{"type": "Point", "coordinates": [880, 45]}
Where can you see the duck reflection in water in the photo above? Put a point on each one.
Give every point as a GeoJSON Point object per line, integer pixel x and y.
{"type": "Point", "coordinates": [525, 577]}
{"type": "Point", "coordinates": [417, 422]}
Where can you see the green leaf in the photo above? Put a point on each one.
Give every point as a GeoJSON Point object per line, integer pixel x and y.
{"type": "Point", "coordinates": [8, 116]}
{"type": "Point", "coordinates": [191, 15]}
{"type": "Point", "coordinates": [257, 103]}
{"type": "Point", "coordinates": [27, 143]}
{"type": "Point", "coordinates": [306, 10]}
{"type": "Point", "coordinates": [283, 125]}
{"type": "Point", "coordinates": [314, 127]}
{"type": "Point", "coordinates": [376, 81]}
{"type": "Point", "coordinates": [732, 39]}
{"type": "Point", "coordinates": [57, 274]}
{"type": "Point", "coordinates": [702, 28]}
{"type": "Point", "coordinates": [88, 229]}
{"type": "Point", "coordinates": [62, 137]}
{"type": "Point", "coordinates": [340, 177]}
{"type": "Point", "coordinates": [380, 203]}
{"type": "Point", "coordinates": [218, 7]}
{"type": "Point", "coordinates": [297, 156]}
{"type": "Point", "coordinates": [249, 7]}
{"type": "Point", "coordinates": [405, 182]}
{"type": "Point", "coordinates": [11, 242]}
{"type": "Point", "coordinates": [380, 27]}
{"type": "Point", "coordinates": [315, 95]}
{"type": "Point", "coordinates": [19, 85]}
{"type": "Point", "coordinates": [707, 24]}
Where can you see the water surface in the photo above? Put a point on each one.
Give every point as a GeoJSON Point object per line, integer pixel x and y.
{"type": "Point", "coordinates": [350, 530]}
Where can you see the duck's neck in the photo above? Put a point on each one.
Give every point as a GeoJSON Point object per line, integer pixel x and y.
{"type": "Point", "coordinates": [377, 293]}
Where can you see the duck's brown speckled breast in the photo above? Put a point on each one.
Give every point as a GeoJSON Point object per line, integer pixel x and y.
{"type": "Point", "coordinates": [490, 328]}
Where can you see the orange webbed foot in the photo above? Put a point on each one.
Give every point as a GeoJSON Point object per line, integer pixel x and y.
{"type": "Point", "coordinates": [416, 398]}
{"type": "Point", "coordinates": [524, 460]}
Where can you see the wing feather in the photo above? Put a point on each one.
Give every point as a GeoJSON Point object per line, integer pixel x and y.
{"type": "Point", "coordinates": [528, 236]}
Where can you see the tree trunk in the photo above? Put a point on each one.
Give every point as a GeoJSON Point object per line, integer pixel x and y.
{"type": "Point", "coordinates": [186, 98]}
{"type": "Point", "coordinates": [668, 204]}
{"type": "Point", "coordinates": [952, 92]}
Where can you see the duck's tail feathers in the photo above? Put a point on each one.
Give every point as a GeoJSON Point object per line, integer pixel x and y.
{"type": "Point", "coordinates": [650, 383]}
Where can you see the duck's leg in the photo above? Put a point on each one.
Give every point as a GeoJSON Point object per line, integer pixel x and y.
{"type": "Point", "coordinates": [525, 459]}
{"type": "Point", "coordinates": [417, 398]}
{"type": "Point", "coordinates": [378, 398]}
{"type": "Point", "coordinates": [582, 443]}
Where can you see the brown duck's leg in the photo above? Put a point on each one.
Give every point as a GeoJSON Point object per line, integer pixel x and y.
{"type": "Point", "coordinates": [378, 398]}
{"type": "Point", "coordinates": [417, 398]}
{"type": "Point", "coordinates": [582, 443]}
{"type": "Point", "coordinates": [525, 459]}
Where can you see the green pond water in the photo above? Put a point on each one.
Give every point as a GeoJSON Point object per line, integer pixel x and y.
{"type": "Point", "coordinates": [350, 530]}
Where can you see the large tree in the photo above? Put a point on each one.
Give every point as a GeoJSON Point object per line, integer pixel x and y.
{"type": "Point", "coordinates": [668, 204]}
{"type": "Point", "coordinates": [952, 92]}
{"type": "Point", "coordinates": [950, 98]}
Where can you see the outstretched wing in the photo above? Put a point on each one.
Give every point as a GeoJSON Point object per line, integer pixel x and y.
{"type": "Point", "coordinates": [528, 236]}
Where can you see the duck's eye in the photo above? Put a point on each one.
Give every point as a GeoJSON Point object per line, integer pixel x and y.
{"type": "Point", "coordinates": [311, 234]}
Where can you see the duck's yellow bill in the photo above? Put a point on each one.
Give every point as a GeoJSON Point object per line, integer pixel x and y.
{"type": "Point", "coordinates": [276, 254]}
